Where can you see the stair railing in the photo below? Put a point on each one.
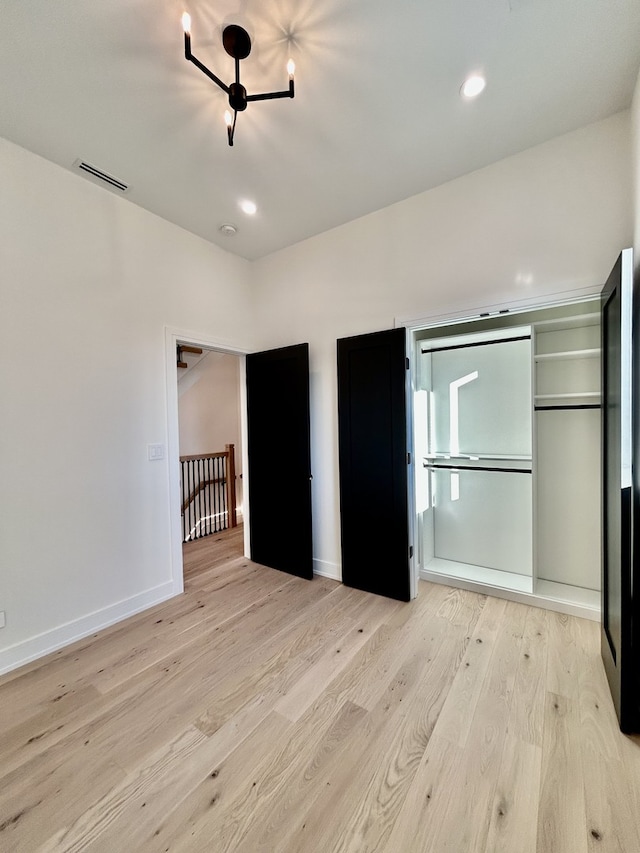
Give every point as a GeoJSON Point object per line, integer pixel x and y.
{"type": "Point", "coordinates": [208, 493]}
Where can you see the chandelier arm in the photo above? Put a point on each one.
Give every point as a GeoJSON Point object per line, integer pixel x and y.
{"type": "Point", "coordinates": [269, 96]}
{"type": "Point", "coordinates": [188, 55]}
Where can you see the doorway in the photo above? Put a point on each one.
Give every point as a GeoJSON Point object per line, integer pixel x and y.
{"type": "Point", "coordinates": [274, 401]}
{"type": "Point", "coordinates": [173, 339]}
{"type": "Point", "coordinates": [210, 447]}
{"type": "Point", "coordinates": [209, 417]}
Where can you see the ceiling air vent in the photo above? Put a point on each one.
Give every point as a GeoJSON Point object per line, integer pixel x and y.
{"type": "Point", "coordinates": [102, 177]}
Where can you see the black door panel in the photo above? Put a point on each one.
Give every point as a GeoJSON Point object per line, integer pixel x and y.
{"type": "Point", "coordinates": [617, 497]}
{"type": "Point", "coordinates": [372, 425]}
{"type": "Point", "coordinates": [279, 459]}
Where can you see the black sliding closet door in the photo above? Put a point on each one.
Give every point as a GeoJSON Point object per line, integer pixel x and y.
{"type": "Point", "coordinates": [617, 640]}
{"type": "Point", "coordinates": [372, 427]}
{"type": "Point", "coordinates": [280, 459]}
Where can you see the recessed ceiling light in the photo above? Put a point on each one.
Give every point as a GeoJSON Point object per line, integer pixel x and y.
{"type": "Point", "coordinates": [248, 207]}
{"type": "Point", "coordinates": [228, 230]}
{"type": "Point", "coordinates": [524, 279]}
{"type": "Point", "coordinates": [472, 86]}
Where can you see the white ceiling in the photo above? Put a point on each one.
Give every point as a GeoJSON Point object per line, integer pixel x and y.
{"type": "Point", "coordinates": [377, 115]}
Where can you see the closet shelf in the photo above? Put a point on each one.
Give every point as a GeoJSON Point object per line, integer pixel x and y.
{"type": "Point", "coordinates": [476, 457]}
{"type": "Point", "coordinates": [573, 395]}
{"type": "Point", "coordinates": [568, 355]}
{"type": "Point", "coordinates": [562, 323]}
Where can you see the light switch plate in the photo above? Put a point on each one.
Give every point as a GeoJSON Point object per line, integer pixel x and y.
{"type": "Point", "coordinates": [155, 451]}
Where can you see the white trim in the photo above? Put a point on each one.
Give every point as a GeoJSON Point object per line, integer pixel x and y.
{"type": "Point", "coordinates": [198, 339]}
{"type": "Point", "coordinates": [626, 379]}
{"type": "Point", "coordinates": [409, 396]}
{"type": "Point", "coordinates": [63, 635]}
{"type": "Point", "coordinates": [326, 569]}
{"type": "Point", "coordinates": [173, 337]}
{"type": "Point", "coordinates": [466, 313]}
{"type": "Point", "coordinates": [244, 440]}
{"type": "Point", "coordinates": [173, 461]}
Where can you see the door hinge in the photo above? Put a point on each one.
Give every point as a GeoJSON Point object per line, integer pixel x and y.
{"type": "Point", "coordinates": [407, 362]}
{"type": "Point", "coordinates": [408, 459]}
{"type": "Point", "coordinates": [410, 551]}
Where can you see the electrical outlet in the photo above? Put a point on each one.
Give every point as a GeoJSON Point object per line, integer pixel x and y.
{"type": "Point", "coordinates": [3, 620]}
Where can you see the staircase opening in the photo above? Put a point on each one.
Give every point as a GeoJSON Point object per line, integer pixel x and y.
{"type": "Point", "coordinates": [210, 447]}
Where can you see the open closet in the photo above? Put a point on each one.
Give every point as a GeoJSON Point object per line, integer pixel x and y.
{"type": "Point", "coordinates": [508, 454]}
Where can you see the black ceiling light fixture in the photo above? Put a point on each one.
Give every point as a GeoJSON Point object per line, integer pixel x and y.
{"type": "Point", "coordinates": [237, 43]}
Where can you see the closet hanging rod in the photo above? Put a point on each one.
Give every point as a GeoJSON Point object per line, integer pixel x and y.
{"type": "Point", "coordinates": [477, 344]}
{"type": "Point", "coordinates": [567, 407]}
{"type": "Point", "coordinates": [476, 468]}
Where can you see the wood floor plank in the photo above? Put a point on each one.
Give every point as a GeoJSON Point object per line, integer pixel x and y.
{"type": "Point", "coordinates": [459, 709]}
{"type": "Point", "coordinates": [260, 712]}
{"type": "Point", "coordinates": [561, 814]}
{"type": "Point", "coordinates": [435, 785]}
{"type": "Point", "coordinates": [630, 778]}
{"type": "Point", "coordinates": [526, 719]}
{"type": "Point", "coordinates": [459, 608]}
{"type": "Point", "coordinates": [563, 656]}
{"type": "Point", "coordinates": [610, 809]}
{"type": "Point", "coordinates": [514, 813]}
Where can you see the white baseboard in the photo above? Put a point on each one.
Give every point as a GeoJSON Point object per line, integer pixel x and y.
{"type": "Point", "coordinates": [50, 641]}
{"type": "Point", "coordinates": [325, 569]}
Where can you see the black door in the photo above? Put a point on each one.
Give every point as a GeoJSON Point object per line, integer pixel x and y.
{"type": "Point", "coordinates": [617, 494]}
{"type": "Point", "coordinates": [372, 427]}
{"type": "Point", "coordinates": [279, 459]}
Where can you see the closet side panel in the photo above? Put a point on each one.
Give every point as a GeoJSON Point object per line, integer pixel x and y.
{"type": "Point", "coordinates": [568, 497]}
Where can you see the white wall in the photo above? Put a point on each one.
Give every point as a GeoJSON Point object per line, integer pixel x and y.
{"type": "Point", "coordinates": [88, 283]}
{"type": "Point", "coordinates": [550, 219]}
{"type": "Point", "coordinates": [209, 408]}
{"type": "Point", "coordinates": [635, 141]}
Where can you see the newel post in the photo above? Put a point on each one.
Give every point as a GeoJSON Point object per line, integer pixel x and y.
{"type": "Point", "coordinates": [231, 485]}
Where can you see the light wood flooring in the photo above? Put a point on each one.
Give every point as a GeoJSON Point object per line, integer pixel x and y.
{"type": "Point", "coordinates": [259, 712]}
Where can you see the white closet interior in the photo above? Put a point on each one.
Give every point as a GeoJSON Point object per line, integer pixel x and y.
{"type": "Point", "coordinates": [507, 440]}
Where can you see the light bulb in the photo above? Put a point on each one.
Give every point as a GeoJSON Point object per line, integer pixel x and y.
{"type": "Point", "coordinates": [186, 22]}
{"type": "Point", "coordinates": [291, 68]}
{"type": "Point", "coordinates": [228, 118]}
